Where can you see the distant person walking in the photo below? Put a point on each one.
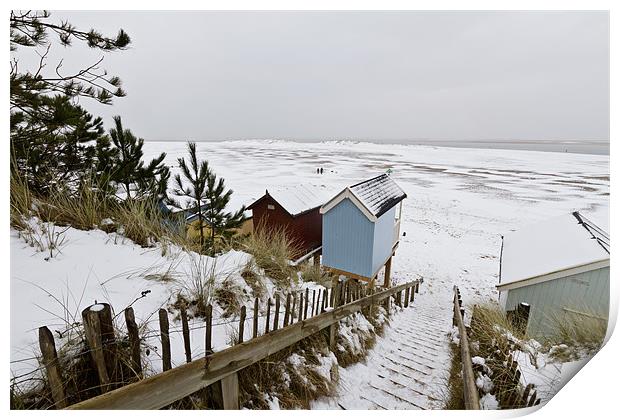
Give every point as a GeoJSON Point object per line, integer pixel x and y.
{"type": "Point", "coordinates": [321, 171]}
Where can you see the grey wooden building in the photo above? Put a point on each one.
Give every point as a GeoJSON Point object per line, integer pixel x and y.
{"type": "Point", "coordinates": [557, 269]}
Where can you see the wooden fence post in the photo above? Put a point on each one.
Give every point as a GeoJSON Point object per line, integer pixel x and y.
{"type": "Point", "coordinates": [241, 323]}
{"type": "Point", "coordinates": [407, 297]}
{"type": "Point", "coordinates": [209, 329]}
{"type": "Point", "coordinates": [306, 301]}
{"type": "Point", "coordinates": [255, 322]}
{"type": "Point", "coordinates": [50, 359]}
{"type": "Point", "coordinates": [313, 309]}
{"type": "Point", "coordinates": [164, 327]}
{"type": "Point", "coordinates": [134, 341]}
{"type": "Point", "coordinates": [106, 348]}
{"type": "Point", "coordinates": [301, 306]}
{"type": "Point", "coordinates": [388, 272]}
{"type": "Point", "coordinates": [268, 316]}
{"type": "Point", "coordinates": [276, 314]}
{"type": "Point", "coordinates": [333, 329]}
{"type": "Point", "coordinates": [230, 391]}
{"type": "Point", "coordinates": [287, 309]}
{"type": "Point", "coordinates": [324, 301]}
{"type": "Point", "coordinates": [293, 308]}
{"type": "Point", "coordinates": [318, 304]}
{"type": "Point", "coordinates": [186, 338]}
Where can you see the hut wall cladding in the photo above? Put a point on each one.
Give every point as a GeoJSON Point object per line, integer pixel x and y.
{"type": "Point", "coordinates": [348, 239]}
{"type": "Point", "coordinates": [585, 292]}
{"type": "Point", "coordinates": [305, 229]}
{"type": "Point", "coordinates": [383, 239]}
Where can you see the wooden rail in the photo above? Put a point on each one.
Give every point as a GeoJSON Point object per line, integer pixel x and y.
{"type": "Point", "coordinates": [165, 388]}
{"type": "Point", "coordinates": [470, 392]}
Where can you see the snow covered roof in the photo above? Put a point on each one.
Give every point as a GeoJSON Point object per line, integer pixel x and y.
{"type": "Point", "coordinates": [378, 194]}
{"type": "Point", "coordinates": [374, 196]}
{"type": "Point", "coordinates": [299, 199]}
{"type": "Point", "coordinates": [549, 249]}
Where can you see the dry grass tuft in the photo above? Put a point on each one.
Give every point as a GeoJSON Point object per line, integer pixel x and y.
{"type": "Point", "coordinates": [230, 296]}
{"type": "Point", "coordinates": [584, 334]}
{"type": "Point", "coordinates": [454, 399]}
{"type": "Point", "coordinates": [295, 376]}
{"type": "Point", "coordinates": [273, 251]}
{"type": "Point", "coordinates": [254, 279]}
{"type": "Point", "coordinates": [313, 273]}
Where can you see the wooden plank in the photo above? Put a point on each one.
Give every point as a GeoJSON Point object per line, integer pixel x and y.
{"type": "Point", "coordinates": [134, 341]}
{"type": "Point", "coordinates": [186, 339]}
{"type": "Point", "coordinates": [164, 327]}
{"type": "Point", "coordinates": [165, 388]}
{"type": "Point", "coordinates": [317, 309]}
{"type": "Point", "coordinates": [324, 301]}
{"type": "Point", "coordinates": [346, 274]}
{"type": "Point", "coordinates": [255, 322]}
{"type": "Point", "coordinates": [52, 367]}
{"type": "Point", "coordinates": [276, 313]}
{"type": "Point", "coordinates": [287, 309]}
{"type": "Point", "coordinates": [208, 329]}
{"type": "Point", "coordinates": [301, 306]}
{"type": "Point", "coordinates": [306, 301]}
{"type": "Point", "coordinates": [242, 313]}
{"type": "Point", "coordinates": [230, 391]}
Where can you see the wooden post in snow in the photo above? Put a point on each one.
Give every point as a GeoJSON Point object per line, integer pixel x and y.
{"type": "Point", "coordinates": [50, 359]}
{"type": "Point", "coordinates": [99, 331]}
{"type": "Point", "coordinates": [287, 310]}
{"type": "Point", "coordinates": [164, 327]}
{"type": "Point", "coordinates": [255, 321]}
{"type": "Point", "coordinates": [134, 341]}
{"type": "Point", "coordinates": [333, 329]}
{"type": "Point", "coordinates": [241, 324]}
{"type": "Point", "coordinates": [306, 301]}
{"type": "Point", "coordinates": [268, 316]}
{"type": "Point", "coordinates": [276, 314]}
{"type": "Point", "coordinates": [313, 303]}
{"type": "Point", "coordinates": [301, 306]}
{"type": "Point", "coordinates": [186, 337]}
{"type": "Point", "coordinates": [293, 308]}
{"type": "Point", "coordinates": [209, 329]}
{"type": "Point", "coordinates": [407, 297]}
{"type": "Point", "coordinates": [388, 270]}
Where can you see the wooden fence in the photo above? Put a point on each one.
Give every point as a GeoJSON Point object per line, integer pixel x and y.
{"type": "Point", "coordinates": [470, 392]}
{"type": "Point", "coordinates": [305, 313]}
{"type": "Point", "coordinates": [507, 380]}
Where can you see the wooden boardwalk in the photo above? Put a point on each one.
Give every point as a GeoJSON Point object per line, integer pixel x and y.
{"type": "Point", "coordinates": [408, 367]}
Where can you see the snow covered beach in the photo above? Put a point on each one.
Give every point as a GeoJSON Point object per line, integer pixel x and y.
{"type": "Point", "coordinates": [459, 203]}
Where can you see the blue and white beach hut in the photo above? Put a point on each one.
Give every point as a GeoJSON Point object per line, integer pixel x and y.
{"type": "Point", "coordinates": [361, 228]}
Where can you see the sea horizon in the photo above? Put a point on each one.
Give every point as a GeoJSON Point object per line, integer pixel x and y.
{"type": "Point", "coordinates": [588, 147]}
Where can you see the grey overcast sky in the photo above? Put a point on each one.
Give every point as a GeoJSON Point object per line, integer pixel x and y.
{"type": "Point", "coordinates": [354, 75]}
